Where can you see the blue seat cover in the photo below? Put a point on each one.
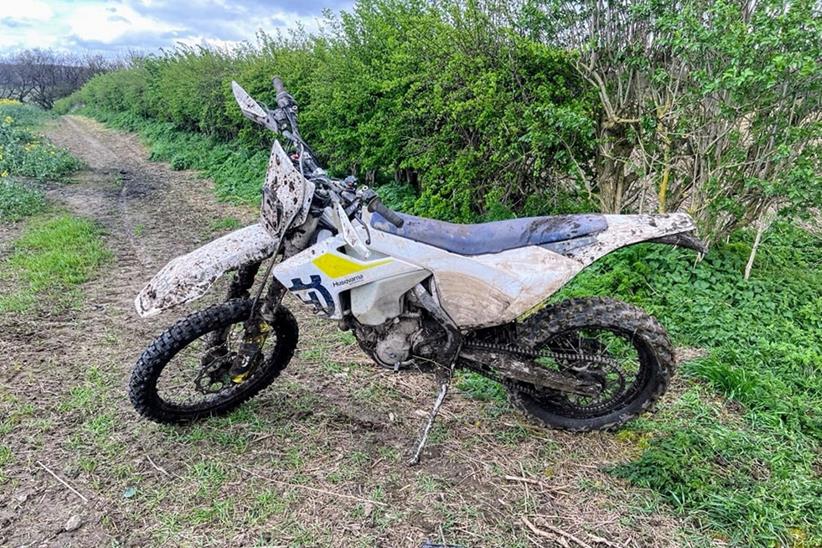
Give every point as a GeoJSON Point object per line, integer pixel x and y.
{"type": "Point", "coordinates": [494, 237]}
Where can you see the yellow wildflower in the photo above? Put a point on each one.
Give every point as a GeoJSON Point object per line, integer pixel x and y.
{"type": "Point", "coordinates": [5, 173]}
{"type": "Point", "coordinates": [8, 120]}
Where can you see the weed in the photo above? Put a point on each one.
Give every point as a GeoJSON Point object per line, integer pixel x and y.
{"type": "Point", "coordinates": [18, 200]}
{"type": "Point", "coordinates": [209, 476]}
{"type": "Point", "coordinates": [6, 456]}
{"type": "Point", "coordinates": [480, 388]}
{"type": "Point", "coordinates": [265, 504]}
{"type": "Point", "coordinates": [347, 338]}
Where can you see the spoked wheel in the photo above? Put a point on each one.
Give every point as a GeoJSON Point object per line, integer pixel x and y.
{"type": "Point", "coordinates": [617, 347]}
{"type": "Point", "coordinates": [198, 367]}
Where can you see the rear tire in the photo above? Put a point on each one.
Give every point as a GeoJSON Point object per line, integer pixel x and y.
{"type": "Point", "coordinates": [648, 337]}
{"type": "Point", "coordinates": [143, 390]}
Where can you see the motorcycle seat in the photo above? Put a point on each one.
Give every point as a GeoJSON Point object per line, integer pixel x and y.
{"type": "Point", "coordinates": [492, 237]}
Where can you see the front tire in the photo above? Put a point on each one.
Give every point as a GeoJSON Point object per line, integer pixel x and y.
{"type": "Point", "coordinates": [554, 326]}
{"type": "Point", "coordinates": [191, 334]}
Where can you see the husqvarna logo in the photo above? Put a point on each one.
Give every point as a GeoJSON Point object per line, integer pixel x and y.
{"type": "Point", "coordinates": [312, 292]}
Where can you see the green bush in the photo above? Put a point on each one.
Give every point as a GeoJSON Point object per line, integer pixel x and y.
{"type": "Point", "coordinates": [472, 117]}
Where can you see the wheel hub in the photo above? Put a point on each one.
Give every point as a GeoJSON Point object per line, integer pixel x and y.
{"type": "Point", "coordinates": [214, 373]}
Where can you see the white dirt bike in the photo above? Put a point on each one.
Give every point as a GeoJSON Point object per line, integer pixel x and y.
{"type": "Point", "coordinates": [416, 293]}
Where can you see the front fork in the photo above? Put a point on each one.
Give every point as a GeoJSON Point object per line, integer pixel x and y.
{"type": "Point", "coordinates": [257, 328]}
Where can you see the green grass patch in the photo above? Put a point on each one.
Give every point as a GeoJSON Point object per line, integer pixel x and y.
{"type": "Point", "coordinates": [224, 223]}
{"type": "Point", "coordinates": [18, 200]}
{"type": "Point", "coordinates": [52, 256]}
{"type": "Point", "coordinates": [480, 388]}
{"type": "Point", "coordinates": [754, 485]}
{"type": "Point", "coordinates": [6, 457]}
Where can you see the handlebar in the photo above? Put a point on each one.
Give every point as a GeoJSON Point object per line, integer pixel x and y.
{"type": "Point", "coordinates": [376, 206]}
{"type": "Point", "coordinates": [284, 99]}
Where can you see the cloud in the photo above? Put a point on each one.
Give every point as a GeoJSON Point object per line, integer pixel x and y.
{"type": "Point", "coordinates": [12, 23]}
{"type": "Point", "coordinates": [31, 10]}
{"type": "Point", "coordinates": [115, 27]}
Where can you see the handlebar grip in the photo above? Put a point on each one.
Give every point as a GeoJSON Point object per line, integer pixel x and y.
{"type": "Point", "coordinates": [284, 99]}
{"type": "Point", "coordinates": [377, 206]}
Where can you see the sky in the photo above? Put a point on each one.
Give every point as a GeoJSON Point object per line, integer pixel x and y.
{"type": "Point", "coordinates": [115, 27]}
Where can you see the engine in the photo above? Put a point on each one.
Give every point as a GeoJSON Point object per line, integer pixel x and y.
{"type": "Point", "coordinates": [398, 341]}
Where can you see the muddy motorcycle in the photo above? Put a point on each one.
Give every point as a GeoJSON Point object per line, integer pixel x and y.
{"type": "Point", "coordinates": [416, 293]}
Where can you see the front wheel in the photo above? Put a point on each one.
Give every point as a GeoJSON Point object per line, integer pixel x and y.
{"type": "Point", "coordinates": [632, 363]}
{"type": "Point", "coordinates": [184, 375]}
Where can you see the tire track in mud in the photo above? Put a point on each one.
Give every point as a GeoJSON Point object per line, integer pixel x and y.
{"type": "Point", "coordinates": [151, 213]}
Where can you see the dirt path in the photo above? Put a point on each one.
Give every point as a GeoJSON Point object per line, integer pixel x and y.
{"type": "Point", "coordinates": [316, 460]}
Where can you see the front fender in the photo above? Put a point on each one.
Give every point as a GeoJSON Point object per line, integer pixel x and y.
{"type": "Point", "coordinates": [189, 276]}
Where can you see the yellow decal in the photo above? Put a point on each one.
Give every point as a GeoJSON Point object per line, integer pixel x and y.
{"type": "Point", "coordinates": [337, 266]}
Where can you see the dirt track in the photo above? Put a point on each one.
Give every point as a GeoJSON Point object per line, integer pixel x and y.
{"type": "Point", "coordinates": [316, 460]}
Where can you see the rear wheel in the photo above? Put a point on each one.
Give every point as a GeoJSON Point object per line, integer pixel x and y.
{"type": "Point", "coordinates": [183, 375]}
{"type": "Point", "coordinates": [614, 345]}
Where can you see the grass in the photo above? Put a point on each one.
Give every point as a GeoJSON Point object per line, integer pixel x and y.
{"type": "Point", "coordinates": [224, 224]}
{"type": "Point", "coordinates": [25, 153]}
{"type": "Point", "coordinates": [6, 456]}
{"type": "Point", "coordinates": [53, 255]}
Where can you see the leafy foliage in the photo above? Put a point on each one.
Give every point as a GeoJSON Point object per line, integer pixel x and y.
{"type": "Point", "coordinates": [708, 105]}
{"type": "Point", "coordinates": [25, 154]}
{"type": "Point", "coordinates": [477, 120]}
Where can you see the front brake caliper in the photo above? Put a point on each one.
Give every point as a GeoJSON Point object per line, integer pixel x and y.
{"type": "Point", "coordinates": [250, 348]}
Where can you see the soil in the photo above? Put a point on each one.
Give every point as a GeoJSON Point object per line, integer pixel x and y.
{"type": "Point", "coordinates": [318, 459]}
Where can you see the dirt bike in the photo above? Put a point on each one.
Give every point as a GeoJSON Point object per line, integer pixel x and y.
{"type": "Point", "coordinates": [416, 293]}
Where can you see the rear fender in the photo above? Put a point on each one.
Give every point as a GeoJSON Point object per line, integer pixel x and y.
{"type": "Point", "coordinates": [624, 230]}
{"type": "Point", "coordinates": [190, 276]}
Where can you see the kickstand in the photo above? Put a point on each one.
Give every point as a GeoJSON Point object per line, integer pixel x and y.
{"type": "Point", "coordinates": [445, 382]}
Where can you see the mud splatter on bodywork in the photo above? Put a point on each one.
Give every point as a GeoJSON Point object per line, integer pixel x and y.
{"type": "Point", "coordinates": [188, 277]}
{"type": "Point", "coordinates": [286, 194]}
{"type": "Point", "coordinates": [286, 197]}
{"type": "Point", "coordinates": [625, 230]}
{"type": "Point", "coordinates": [494, 288]}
